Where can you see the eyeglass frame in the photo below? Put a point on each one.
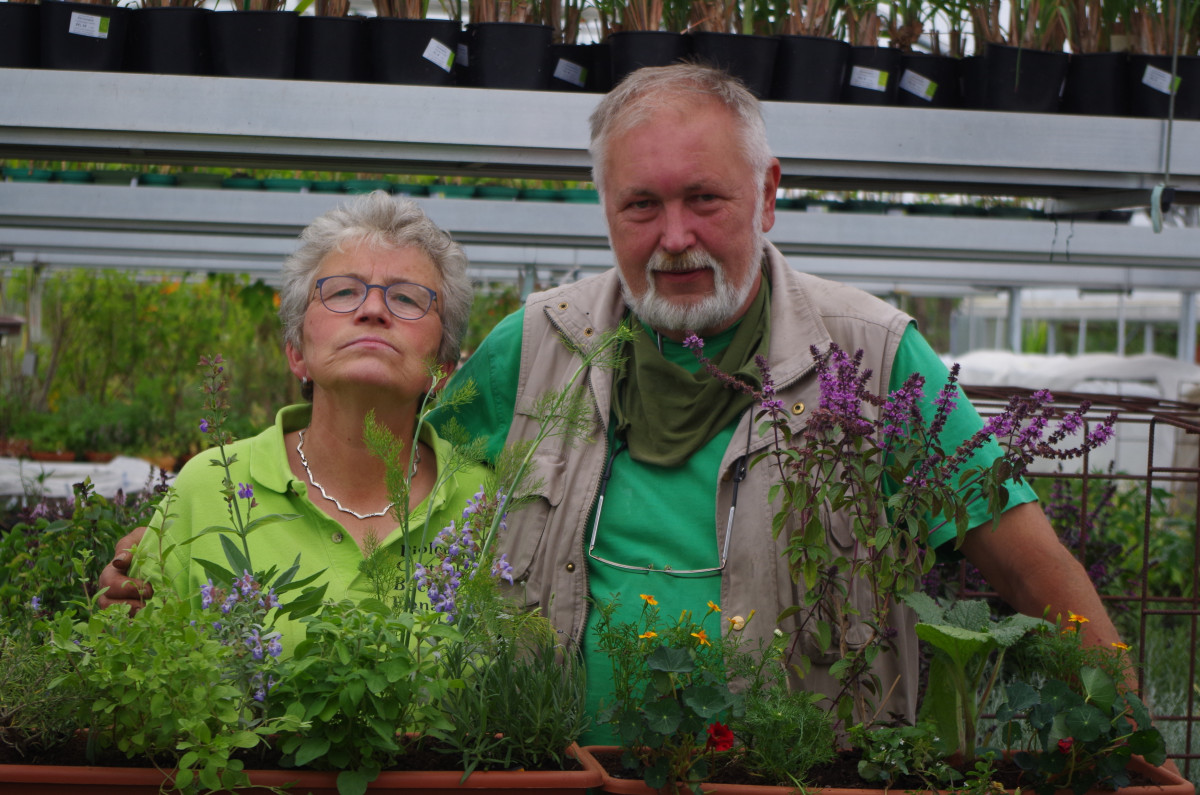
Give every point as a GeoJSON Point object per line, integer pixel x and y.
{"type": "Point", "coordinates": [740, 468]}
{"type": "Point", "coordinates": [383, 288]}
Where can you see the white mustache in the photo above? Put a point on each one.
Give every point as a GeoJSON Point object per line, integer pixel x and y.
{"type": "Point", "coordinates": [694, 259]}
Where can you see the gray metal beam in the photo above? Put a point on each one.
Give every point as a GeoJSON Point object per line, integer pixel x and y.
{"type": "Point", "coordinates": [298, 124]}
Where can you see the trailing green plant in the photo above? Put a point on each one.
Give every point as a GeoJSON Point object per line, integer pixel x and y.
{"type": "Point", "coordinates": [890, 753]}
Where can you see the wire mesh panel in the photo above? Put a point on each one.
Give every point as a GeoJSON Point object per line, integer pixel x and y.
{"type": "Point", "coordinates": [1129, 512]}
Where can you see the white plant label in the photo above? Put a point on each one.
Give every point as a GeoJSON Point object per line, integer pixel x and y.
{"type": "Point", "coordinates": [1160, 80]}
{"type": "Point", "coordinates": [464, 56]}
{"type": "Point", "coordinates": [439, 54]}
{"type": "Point", "coordinates": [919, 85]}
{"type": "Point", "coordinates": [871, 79]}
{"type": "Point", "coordinates": [570, 72]}
{"type": "Point", "coordinates": [88, 25]}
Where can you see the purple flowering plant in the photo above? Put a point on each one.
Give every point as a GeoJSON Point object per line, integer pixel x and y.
{"type": "Point", "coordinates": [874, 459]}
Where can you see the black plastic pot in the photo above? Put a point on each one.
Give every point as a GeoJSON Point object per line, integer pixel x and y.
{"type": "Point", "coordinates": [748, 58]}
{"type": "Point", "coordinates": [512, 55]}
{"type": "Point", "coordinates": [872, 76]}
{"type": "Point", "coordinates": [19, 25]}
{"type": "Point", "coordinates": [1149, 84]}
{"type": "Point", "coordinates": [1097, 84]}
{"type": "Point", "coordinates": [169, 40]}
{"type": "Point", "coordinates": [928, 81]}
{"type": "Point", "coordinates": [810, 69]}
{"type": "Point", "coordinates": [633, 49]}
{"type": "Point", "coordinates": [333, 48]}
{"type": "Point", "coordinates": [254, 43]}
{"type": "Point", "coordinates": [83, 36]}
{"type": "Point", "coordinates": [1020, 79]}
{"type": "Point", "coordinates": [413, 51]}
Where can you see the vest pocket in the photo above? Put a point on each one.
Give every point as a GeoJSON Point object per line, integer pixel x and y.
{"type": "Point", "coordinates": [525, 533]}
{"type": "Point", "coordinates": [857, 631]}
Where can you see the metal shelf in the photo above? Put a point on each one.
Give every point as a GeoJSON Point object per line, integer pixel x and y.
{"type": "Point", "coordinates": [185, 120]}
{"type": "Point", "coordinates": [251, 231]}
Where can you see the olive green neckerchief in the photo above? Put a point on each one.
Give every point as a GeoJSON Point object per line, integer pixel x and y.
{"type": "Point", "coordinates": [664, 413]}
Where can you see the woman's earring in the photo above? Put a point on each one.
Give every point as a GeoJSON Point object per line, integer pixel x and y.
{"type": "Point", "coordinates": [303, 380]}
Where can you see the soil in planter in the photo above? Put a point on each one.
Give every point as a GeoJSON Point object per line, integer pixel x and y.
{"type": "Point", "coordinates": [842, 773]}
{"type": "Point", "coordinates": [416, 756]}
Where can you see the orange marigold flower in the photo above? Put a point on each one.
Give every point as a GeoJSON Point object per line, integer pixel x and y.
{"type": "Point", "coordinates": [648, 634]}
{"type": "Point", "coordinates": [702, 637]}
{"type": "Point", "coordinates": [648, 599]}
{"type": "Point", "coordinates": [1077, 619]}
{"type": "Point", "coordinates": [1119, 645]}
{"type": "Point", "coordinates": [714, 607]}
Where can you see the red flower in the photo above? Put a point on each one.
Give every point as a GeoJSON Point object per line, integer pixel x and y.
{"type": "Point", "coordinates": [720, 737]}
{"type": "Point", "coordinates": [1064, 746]}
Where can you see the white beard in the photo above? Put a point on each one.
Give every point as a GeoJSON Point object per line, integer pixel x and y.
{"type": "Point", "coordinates": [716, 310]}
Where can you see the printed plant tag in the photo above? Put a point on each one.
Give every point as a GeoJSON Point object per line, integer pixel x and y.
{"type": "Point", "coordinates": [871, 79]}
{"type": "Point", "coordinates": [464, 57]}
{"type": "Point", "coordinates": [89, 25]}
{"type": "Point", "coordinates": [1160, 80]}
{"type": "Point", "coordinates": [919, 85]}
{"type": "Point", "coordinates": [439, 55]}
{"type": "Point", "coordinates": [570, 72]}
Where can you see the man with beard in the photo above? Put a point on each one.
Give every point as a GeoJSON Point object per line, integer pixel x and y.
{"type": "Point", "coordinates": [663, 502]}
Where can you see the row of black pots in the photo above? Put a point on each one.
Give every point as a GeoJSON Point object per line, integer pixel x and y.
{"type": "Point", "coordinates": [280, 44]}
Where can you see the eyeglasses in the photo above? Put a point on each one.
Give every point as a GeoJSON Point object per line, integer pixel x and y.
{"type": "Point", "coordinates": [405, 300]}
{"type": "Point", "coordinates": [739, 474]}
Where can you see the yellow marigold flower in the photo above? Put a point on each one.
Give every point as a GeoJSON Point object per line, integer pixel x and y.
{"type": "Point", "coordinates": [736, 622]}
{"type": "Point", "coordinates": [648, 634]}
{"type": "Point", "coordinates": [702, 637]}
{"type": "Point", "coordinates": [1077, 619]}
{"type": "Point", "coordinates": [648, 599]}
{"type": "Point", "coordinates": [1119, 645]}
{"type": "Point", "coordinates": [713, 607]}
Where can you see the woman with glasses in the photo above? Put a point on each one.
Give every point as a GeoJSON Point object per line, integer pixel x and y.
{"type": "Point", "coordinates": [374, 297]}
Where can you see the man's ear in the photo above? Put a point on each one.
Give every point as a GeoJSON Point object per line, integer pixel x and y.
{"type": "Point", "coordinates": [770, 187]}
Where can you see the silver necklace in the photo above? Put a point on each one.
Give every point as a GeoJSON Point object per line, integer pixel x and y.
{"type": "Point", "coordinates": [304, 462]}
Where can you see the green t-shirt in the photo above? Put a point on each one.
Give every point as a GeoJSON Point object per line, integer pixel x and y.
{"type": "Point", "coordinates": [321, 543]}
{"type": "Point", "coordinates": [641, 497]}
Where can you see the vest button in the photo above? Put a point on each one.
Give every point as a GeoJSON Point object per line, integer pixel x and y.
{"type": "Point", "coordinates": [798, 408]}
{"type": "Point", "coordinates": [563, 305]}
{"type": "Point", "coordinates": [336, 538]}
{"type": "Point", "coordinates": [570, 567]}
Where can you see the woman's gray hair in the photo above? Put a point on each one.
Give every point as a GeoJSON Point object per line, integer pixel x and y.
{"type": "Point", "coordinates": [378, 220]}
{"type": "Point", "coordinates": [650, 89]}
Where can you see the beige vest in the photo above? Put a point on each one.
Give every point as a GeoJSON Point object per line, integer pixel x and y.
{"type": "Point", "coordinates": [545, 540]}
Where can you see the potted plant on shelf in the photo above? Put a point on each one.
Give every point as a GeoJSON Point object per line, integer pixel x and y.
{"type": "Point", "coordinates": [1024, 63]}
{"type": "Point", "coordinates": [873, 72]}
{"type": "Point", "coordinates": [19, 33]}
{"type": "Point", "coordinates": [722, 35]}
{"type": "Point", "coordinates": [646, 33]}
{"type": "Point", "coordinates": [810, 64]}
{"type": "Point", "coordinates": [1098, 71]}
{"type": "Point", "coordinates": [508, 45]}
{"type": "Point", "coordinates": [83, 36]}
{"type": "Point", "coordinates": [408, 47]}
{"type": "Point", "coordinates": [926, 79]}
{"type": "Point", "coordinates": [255, 39]}
{"type": "Point", "coordinates": [169, 37]}
{"type": "Point", "coordinates": [1163, 79]}
{"type": "Point", "coordinates": [333, 45]}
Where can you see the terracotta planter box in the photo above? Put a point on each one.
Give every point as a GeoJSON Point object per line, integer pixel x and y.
{"type": "Point", "coordinates": [63, 780]}
{"type": "Point", "coordinates": [1167, 783]}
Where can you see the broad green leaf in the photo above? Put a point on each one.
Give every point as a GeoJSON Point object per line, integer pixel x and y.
{"type": "Point", "coordinates": [663, 716]}
{"type": "Point", "coordinates": [671, 660]}
{"type": "Point", "coordinates": [1098, 687]}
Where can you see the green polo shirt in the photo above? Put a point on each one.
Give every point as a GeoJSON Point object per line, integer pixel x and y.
{"type": "Point", "coordinates": [321, 543]}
